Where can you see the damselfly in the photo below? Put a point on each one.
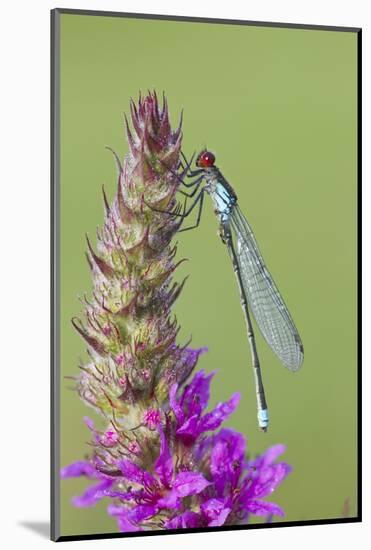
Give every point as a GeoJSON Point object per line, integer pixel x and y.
{"type": "Point", "coordinates": [257, 289]}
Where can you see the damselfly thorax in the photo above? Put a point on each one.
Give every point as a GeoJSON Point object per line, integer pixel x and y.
{"type": "Point", "coordinates": [221, 192]}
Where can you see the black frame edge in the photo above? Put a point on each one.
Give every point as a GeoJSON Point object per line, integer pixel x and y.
{"type": "Point", "coordinates": [304, 523]}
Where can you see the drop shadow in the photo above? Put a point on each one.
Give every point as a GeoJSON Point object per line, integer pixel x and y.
{"type": "Point", "coordinates": [41, 528]}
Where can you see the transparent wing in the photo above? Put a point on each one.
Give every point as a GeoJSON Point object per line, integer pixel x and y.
{"type": "Point", "coordinates": [265, 301]}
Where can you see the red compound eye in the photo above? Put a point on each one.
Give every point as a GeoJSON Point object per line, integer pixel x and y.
{"type": "Point", "coordinates": [205, 159]}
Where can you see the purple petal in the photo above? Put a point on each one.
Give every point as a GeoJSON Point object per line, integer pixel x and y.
{"type": "Point", "coordinates": [114, 510]}
{"type": "Point", "coordinates": [177, 410]}
{"type": "Point", "coordinates": [185, 483]}
{"type": "Point", "coordinates": [197, 394]}
{"type": "Point", "coordinates": [129, 495]}
{"type": "Point", "coordinates": [164, 463]}
{"type": "Point", "coordinates": [273, 452]}
{"type": "Point", "coordinates": [188, 519]}
{"type": "Point", "coordinates": [120, 514]}
{"type": "Point", "coordinates": [269, 456]}
{"type": "Point", "coordinates": [126, 526]}
{"type": "Point", "coordinates": [228, 448]}
{"type": "Point", "coordinates": [203, 448]}
{"type": "Point", "coordinates": [189, 483]}
{"type": "Point", "coordinates": [226, 461]}
{"type": "Point", "coordinates": [187, 361]}
{"type": "Point", "coordinates": [189, 430]}
{"type": "Point", "coordinates": [221, 412]}
{"type": "Point", "coordinates": [89, 423]}
{"type": "Point", "coordinates": [171, 500]}
{"type": "Point", "coordinates": [216, 511]}
{"type": "Point", "coordinates": [79, 468]}
{"type": "Point", "coordinates": [234, 443]}
{"type": "Point", "coordinates": [191, 357]}
{"type": "Point", "coordinates": [262, 508]}
{"type": "Point", "coordinates": [269, 478]}
{"type": "Point", "coordinates": [93, 494]}
{"type": "Point", "coordinates": [132, 472]}
{"type": "Point", "coordinates": [142, 512]}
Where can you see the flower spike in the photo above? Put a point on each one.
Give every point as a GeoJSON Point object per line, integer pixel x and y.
{"type": "Point", "coordinates": [159, 456]}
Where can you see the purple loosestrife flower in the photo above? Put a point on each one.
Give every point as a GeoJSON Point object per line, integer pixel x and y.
{"type": "Point", "coordinates": [95, 492]}
{"type": "Point", "coordinates": [239, 485]}
{"type": "Point", "coordinates": [207, 484]}
{"type": "Point", "coordinates": [189, 408]}
{"type": "Point", "coordinates": [155, 454]}
{"type": "Point", "coordinates": [161, 493]}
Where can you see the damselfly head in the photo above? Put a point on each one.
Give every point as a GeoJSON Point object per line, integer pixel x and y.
{"type": "Point", "coordinates": [205, 159]}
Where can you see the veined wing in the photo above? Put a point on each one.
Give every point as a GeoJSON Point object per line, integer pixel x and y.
{"type": "Point", "coordinates": [264, 299]}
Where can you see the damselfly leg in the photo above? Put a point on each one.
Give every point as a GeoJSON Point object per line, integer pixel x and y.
{"type": "Point", "coordinates": [199, 200]}
{"type": "Point", "coordinates": [173, 212]}
{"type": "Point", "coordinates": [196, 183]}
{"type": "Point", "coordinates": [199, 214]}
{"type": "Point", "coordinates": [191, 173]}
{"type": "Point", "coordinates": [180, 177]}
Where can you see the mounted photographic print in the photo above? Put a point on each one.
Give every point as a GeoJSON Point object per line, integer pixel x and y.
{"type": "Point", "coordinates": [205, 178]}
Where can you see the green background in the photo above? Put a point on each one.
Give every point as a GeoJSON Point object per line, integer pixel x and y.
{"type": "Point", "coordinates": [278, 108]}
